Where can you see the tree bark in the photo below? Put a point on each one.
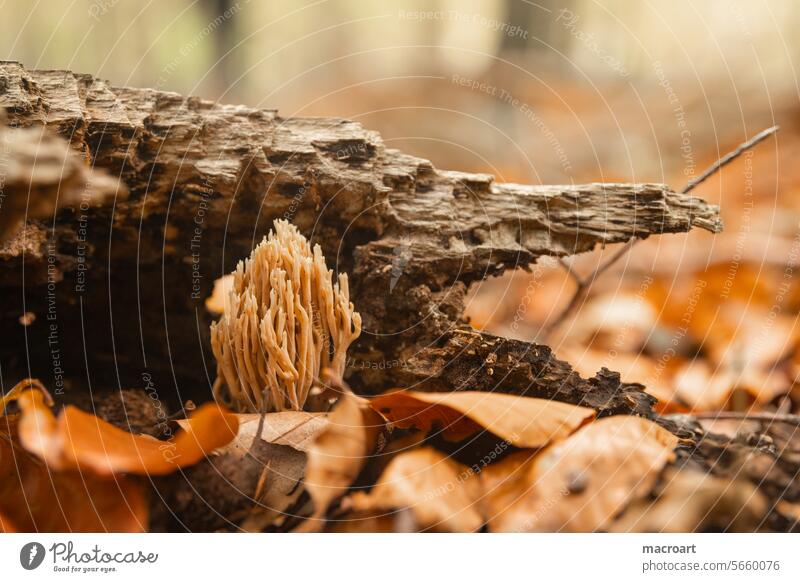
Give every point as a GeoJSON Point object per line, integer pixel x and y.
{"type": "Point", "coordinates": [206, 181]}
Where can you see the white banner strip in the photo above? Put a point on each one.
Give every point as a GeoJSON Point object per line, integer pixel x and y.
{"type": "Point", "coordinates": [399, 557]}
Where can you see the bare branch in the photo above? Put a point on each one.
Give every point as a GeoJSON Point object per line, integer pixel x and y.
{"type": "Point", "coordinates": [729, 157]}
{"type": "Point", "coordinates": [584, 283]}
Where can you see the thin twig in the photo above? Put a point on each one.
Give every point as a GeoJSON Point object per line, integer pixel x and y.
{"type": "Point", "coordinates": [584, 283]}
{"type": "Point", "coordinates": [755, 416]}
{"type": "Point", "coordinates": [568, 268]}
{"type": "Point", "coordinates": [603, 267]}
{"type": "Point", "coordinates": [728, 158]}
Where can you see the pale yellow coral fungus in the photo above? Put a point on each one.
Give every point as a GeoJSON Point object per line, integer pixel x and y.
{"type": "Point", "coordinates": [284, 321]}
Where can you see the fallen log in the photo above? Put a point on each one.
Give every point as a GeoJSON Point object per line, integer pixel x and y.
{"type": "Point", "coordinates": [206, 181]}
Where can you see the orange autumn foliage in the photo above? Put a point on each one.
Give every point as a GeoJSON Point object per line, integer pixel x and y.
{"type": "Point", "coordinates": [68, 473]}
{"type": "Point", "coordinates": [520, 420]}
{"type": "Point", "coordinates": [34, 497]}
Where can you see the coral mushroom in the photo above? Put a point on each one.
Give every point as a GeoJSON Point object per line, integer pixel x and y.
{"type": "Point", "coordinates": [284, 321]}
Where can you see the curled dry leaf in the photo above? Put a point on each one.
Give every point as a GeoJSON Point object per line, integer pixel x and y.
{"type": "Point", "coordinates": [36, 497]}
{"type": "Point", "coordinates": [339, 452]}
{"type": "Point", "coordinates": [33, 497]}
{"type": "Point", "coordinates": [77, 439]}
{"type": "Point", "coordinates": [37, 426]}
{"type": "Point", "coordinates": [581, 483]}
{"type": "Point", "coordinates": [441, 493]}
{"type": "Point", "coordinates": [523, 422]}
{"type": "Point", "coordinates": [262, 478]}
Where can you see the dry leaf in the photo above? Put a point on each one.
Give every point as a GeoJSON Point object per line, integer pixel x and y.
{"type": "Point", "coordinates": [80, 439]}
{"type": "Point", "coordinates": [441, 493]}
{"type": "Point", "coordinates": [279, 486]}
{"type": "Point", "coordinates": [36, 427]}
{"type": "Point", "coordinates": [503, 484]}
{"type": "Point", "coordinates": [35, 498]}
{"type": "Point", "coordinates": [340, 451]}
{"type": "Point", "coordinates": [262, 478]}
{"type": "Point", "coordinates": [62, 474]}
{"type": "Point", "coordinates": [581, 483]}
{"type": "Point", "coordinates": [293, 428]}
{"type": "Point", "coordinates": [522, 421]}
{"type": "Point", "coordinates": [619, 320]}
{"type": "Point", "coordinates": [215, 303]}
{"type": "Point", "coordinates": [790, 510]}
{"type": "Point", "coordinates": [286, 438]}
{"type": "Point", "coordinates": [692, 501]}
{"type": "Point", "coordinates": [702, 387]}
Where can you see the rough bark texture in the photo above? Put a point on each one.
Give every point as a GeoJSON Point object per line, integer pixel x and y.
{"type": "Point", "coordinates": [206, 181]}
{"type": "Point", "coordinates": [41, 173]}
{"type": "Point", "coordinates": [118, 291]}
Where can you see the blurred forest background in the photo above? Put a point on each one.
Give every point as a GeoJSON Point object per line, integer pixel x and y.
{"type": "Point", "coordinates": [598, 84]}
{"type": "Point", "coordinates": [536, 92]}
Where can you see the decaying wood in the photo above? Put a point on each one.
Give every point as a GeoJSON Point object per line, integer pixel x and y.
{"type": "Point", "coordinates": [472, 360]}
{"type": "Point", "coordinates": [206, 180]}
{"type": "Point", "coordinates": [40, 173]}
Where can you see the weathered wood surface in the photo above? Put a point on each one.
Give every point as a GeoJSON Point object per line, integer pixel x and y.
{"type": "Point", "coordinates": [40, 173]}
{"type": "Point", "coordinates": [206, 180]}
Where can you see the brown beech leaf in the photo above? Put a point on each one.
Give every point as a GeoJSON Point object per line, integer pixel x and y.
{"type": "Point", "coordinates": [80, 439]}
{"type": "Point", "coordinates": [36, 498]}
{"type": "Point", "coordinates": [293, 428]}
{"type": "Point", "coordinates": [279, 485]}
{"type": "Point", "coordinates": [790, 510]}
{"type": "Point", "coordinates": [620, 320]}
{"type": "Point", "coordinates": [263, 475]}
{"type": "Point", "coordinates": [504, 483]}
{"type": "Point", "coordinates": [701, 385]}
{"type": "Point", "coordinates": [523, 422]}
{"type": "Point", "coordinates": [37, 428]}
{"type": "Point", "coordinates": [441, 493]}
{"type": "Point", "coordinates": [285, 439]}
{"type": "Point", "coordinates": [580, 484]}
{"type": "Point", "coordinates": [692, 501]}
{"type": "Point", "coordinates": [339, 452]}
